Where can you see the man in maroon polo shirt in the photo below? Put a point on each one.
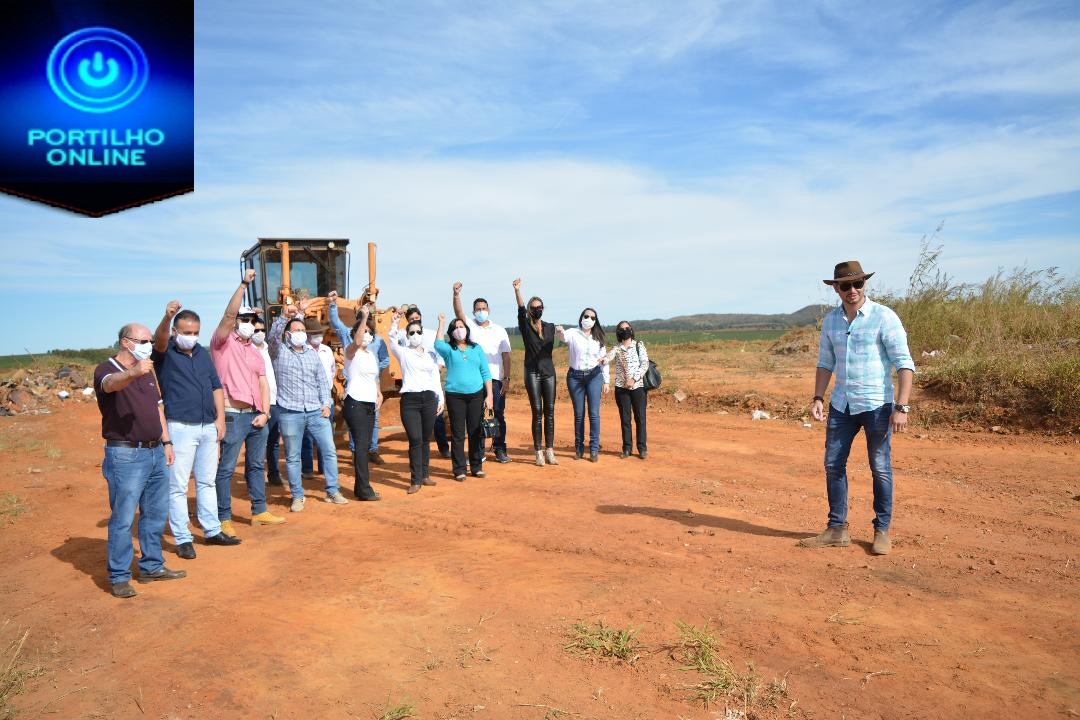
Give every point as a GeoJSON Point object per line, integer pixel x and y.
{"type": "Point", "coordinates": [137, 452]}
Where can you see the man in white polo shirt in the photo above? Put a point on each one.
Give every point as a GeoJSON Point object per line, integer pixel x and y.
{"type": "Point", "coordinates": [496, 345]}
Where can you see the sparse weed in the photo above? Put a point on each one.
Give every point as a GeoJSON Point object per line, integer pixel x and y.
{"type": "Point", "coordinates": [13, 674]}
{"type": "Point", "coordinates": [599, 639]}
{"type": "Point", "coordinates": [10, 506]}
{"type": "Point", "coordinates": [398, 712]}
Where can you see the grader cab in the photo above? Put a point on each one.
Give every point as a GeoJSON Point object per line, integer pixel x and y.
{"type": "Point", "coordinates": [293, 269]}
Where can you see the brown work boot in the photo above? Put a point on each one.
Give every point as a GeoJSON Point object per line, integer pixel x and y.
{"type": "Point", "coordinates": [832, 537]}
{"type": "Point", "coordinates": [882, 544]}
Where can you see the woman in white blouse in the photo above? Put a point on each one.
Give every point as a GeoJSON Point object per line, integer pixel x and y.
{"type": "Point", "coordinates": [631, 361]}
{"type": "Point", "coordinates": [586, 378]}
{"type": "Point", "coordinates": [421, 395]}
{"type": "Point", "coordinates": [363, 397]}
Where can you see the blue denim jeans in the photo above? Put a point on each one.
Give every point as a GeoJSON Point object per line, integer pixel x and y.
{"type": "Point", "coordinates": [294, 423]}
{"type": "Point", "coordinates": [499, 405]}
{"type": "Point", "coordinates": [307, 449]}
{"type": "Point", "coordinates": [273, 444]}
{"type": "Point", "coordinates": [196, 448]}
{"type": "Point", "coordinates": [586, 386]}
{"type": "Point", "coordinates": [240, 432]}
{"type": "Point", "coordinates": [138, 478]}
{"type": "Point", "coordinates": [840, 431]}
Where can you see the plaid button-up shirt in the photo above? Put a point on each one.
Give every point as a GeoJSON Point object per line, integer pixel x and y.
{"type": "Point", "coordinates": [301, 379]}
{"type": "Point", "coordinates": [862, 355]}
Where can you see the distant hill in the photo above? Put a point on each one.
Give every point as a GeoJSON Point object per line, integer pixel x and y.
{"type": "Point", "coordinates": [808, 315]}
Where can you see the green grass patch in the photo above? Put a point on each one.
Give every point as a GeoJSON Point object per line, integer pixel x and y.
{"type": "Point", "coordinates": [87, 356]}
{"type": "Point", "coordinates": [604, 641]}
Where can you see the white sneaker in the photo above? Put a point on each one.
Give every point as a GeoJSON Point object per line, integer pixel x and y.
{"type": "Point", "coordinates": [550, 453]}
{"type": "Point", "coordinates": [337, 499]}
{"type": "Point", "coordinates": [297, 504]}
{"type": "Point", "coordinates": [540, 458]}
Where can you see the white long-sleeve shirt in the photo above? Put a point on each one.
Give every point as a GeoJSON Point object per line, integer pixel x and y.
{"type": "Point", "coordinates": [585, 353]}
{"type": "Point", "coordinates": [419, 370]}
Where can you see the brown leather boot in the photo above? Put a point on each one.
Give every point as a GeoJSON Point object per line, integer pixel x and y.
{"type": "Point", "coordinates": [832, 537]}
{"type": "Point", "coordinates": [882, 544]}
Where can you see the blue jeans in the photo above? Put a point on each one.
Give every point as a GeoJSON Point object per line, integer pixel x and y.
{"type": "Point", "coordinates": [840, 431]}
{"type": "Point", "coordinates": [196, 448]}
{"type": "Point", "coordinates": [307, 449]}
{"type": "Point", "coordinates": [294, 423]}
{"type": "Point", "coordinates": [586, 386]}
{"type": "Point", "coordinates": [273, 443]}
{"type": "Point", "coordinates": [499, 405]}
{"type": "Point", "coordinates": [239, 431]}
{"type": "Point", "coordinates": [137, 478]}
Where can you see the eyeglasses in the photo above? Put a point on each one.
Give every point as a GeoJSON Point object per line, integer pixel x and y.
{"type": "Point", "coordinates": [845, 286]}
{"type": "Point", "coordinates": [537, 307]}
{"type": "Point", "coordinates": [140, 341]}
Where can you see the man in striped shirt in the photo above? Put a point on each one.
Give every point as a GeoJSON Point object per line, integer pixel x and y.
{"type": "Point", "coordinates": [861, 343]}
{"type": "Point", "coordinates": [303, 399]}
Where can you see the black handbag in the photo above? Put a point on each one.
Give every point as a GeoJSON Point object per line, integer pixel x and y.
{"type": "Point", "coordinates": [489, 426]}
{"type": "Point", "coordinates": [652, 379]}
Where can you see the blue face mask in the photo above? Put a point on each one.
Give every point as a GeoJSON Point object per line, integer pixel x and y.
{"type": "Point", "coordinates": [481, 316]}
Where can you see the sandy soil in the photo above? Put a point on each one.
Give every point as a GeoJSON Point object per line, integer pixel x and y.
{"type": "Point", "coordinates": [458, 600]}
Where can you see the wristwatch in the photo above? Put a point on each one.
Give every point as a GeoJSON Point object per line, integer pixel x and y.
{"type": "Point", "coordinates": [903, 408]}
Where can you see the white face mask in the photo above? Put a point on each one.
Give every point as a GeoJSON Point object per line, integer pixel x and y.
{"type": "Point", "coordinates": [142, 351]}
{"type": "Point", "coordinates": [316, 340]}
{"type": "Point", "coordinates": [186, 342]}
{"type": "Point", "coordinates": [366, 339]}
{"type": "Point", "coordinates": [259, 337]}
{"type": "Point", "coordinates": [298, 339]}
{"type": "Point", "coordinates": [415, 340]}
{"type": "Point", "coordinates": [460, 333]}
{"type": "Point", "coordinates": [245, 330]}
{"type": "Point", "coordinates": [587, 323]}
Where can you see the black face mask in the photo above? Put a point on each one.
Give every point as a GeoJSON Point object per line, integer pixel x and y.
{"type": "Point", "coordinates": [536, 312]}
{"type": "Point", "coordinates": [624, 333]}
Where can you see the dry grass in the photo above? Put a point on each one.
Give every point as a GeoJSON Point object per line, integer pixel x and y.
{"type": "Point", "coordinates": [14, 674]}
{"type": "Point", "coordinates": [604, 641]}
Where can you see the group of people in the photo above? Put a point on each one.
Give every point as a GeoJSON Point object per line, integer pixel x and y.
{"type": "Point", "coordinates": [171, 408]}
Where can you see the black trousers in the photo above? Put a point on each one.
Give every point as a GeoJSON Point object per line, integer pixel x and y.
{"type": "Point", "coordinates": [636, 401]}
{"type": "Point", "coordinates": [541, 392]}
{"type": "Point", "coordinates": [360, 417]}
{"type": "Point", "coordinates": [466, 412]}
{"type": "Point", "coordinates": [418, 417]}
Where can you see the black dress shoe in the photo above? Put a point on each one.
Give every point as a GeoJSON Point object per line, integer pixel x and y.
{"type": "Point", "coordinates": [186, 551]}
{"type": "Point", "coordinates": [275, 480]}
{"type": "Point", "coordinates": [479, 473]}
{"type": "Point", "coordinates": [643, 454]}
{"type": "Point", "coordinates": [370, 496]}
{"type": "Point", "coordinates": [162, 573]}
{"type": "Point", "coordinates": [501, 456]}
{"type": "Point", "coordinates": [375, 458]}
{"type": "Point", "coordinates": [444, 453]}
{"type": "Point", "coordinates": [222, 539]}
{"type": "Point", "coordinates": [123, 590]}
{"type": "Point", "coordinates": [624, 454]}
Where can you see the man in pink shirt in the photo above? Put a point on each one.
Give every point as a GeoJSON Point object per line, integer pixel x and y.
{"type": "Point", "coordinates": [247, 402]}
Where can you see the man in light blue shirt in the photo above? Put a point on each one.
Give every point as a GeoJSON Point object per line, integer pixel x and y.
{"type": "Point", "coordinates": [861, 342]}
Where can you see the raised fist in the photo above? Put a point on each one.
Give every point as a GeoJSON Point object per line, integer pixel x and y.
{"type": "Point", "coordinates": [517, 284]}
{"type": "Point", "coordinates": [291, 310]}
{"type": "Point", "coordinates": [332, 296]}
{"type": "Point", "coordinates": [457, 288]}
{"type": "Point", "coordinates": [249, 275]}
{"type": "Point", "coordinates": [442, 317]}
{"type": "Point", "coordinates": [172, 308]}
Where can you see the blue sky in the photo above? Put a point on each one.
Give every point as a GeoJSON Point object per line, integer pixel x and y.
{"type": "Point", "coordinates": [646, 158]}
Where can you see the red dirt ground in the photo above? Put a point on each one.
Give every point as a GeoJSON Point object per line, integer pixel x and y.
{"type": "Point", "coordinates": [458, 600]}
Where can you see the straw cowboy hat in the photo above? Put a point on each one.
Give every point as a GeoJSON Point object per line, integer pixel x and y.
{"type": "Point", "coordinates": [848, 271]}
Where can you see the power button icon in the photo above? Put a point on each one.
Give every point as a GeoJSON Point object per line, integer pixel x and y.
{"type": "Point", "coordinates": [97, 70]}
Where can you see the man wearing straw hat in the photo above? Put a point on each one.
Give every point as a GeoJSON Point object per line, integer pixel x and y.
{"type": "Point", "coordinates": [861, 342]}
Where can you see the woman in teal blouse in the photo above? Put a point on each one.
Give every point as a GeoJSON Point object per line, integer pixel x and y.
{"type": "Point", "coordinates": [468, 394]}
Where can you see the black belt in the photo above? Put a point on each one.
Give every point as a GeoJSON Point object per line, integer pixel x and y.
{"type": "Point", "coordinates": [130, 444]}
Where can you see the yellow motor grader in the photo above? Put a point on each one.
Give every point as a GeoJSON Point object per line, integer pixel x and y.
{"type": "Point", "coordinates": [293, 269]}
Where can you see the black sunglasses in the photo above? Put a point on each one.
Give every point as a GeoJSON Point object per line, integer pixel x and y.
{"type": "Point", "coordinates": [416, 332]}
{"type": "Point", "coordinates": [588, 317]}
{"type": "Point", "coordinates": [845, 286]}
{"type": "Point", "coordinates": [536, 307]}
